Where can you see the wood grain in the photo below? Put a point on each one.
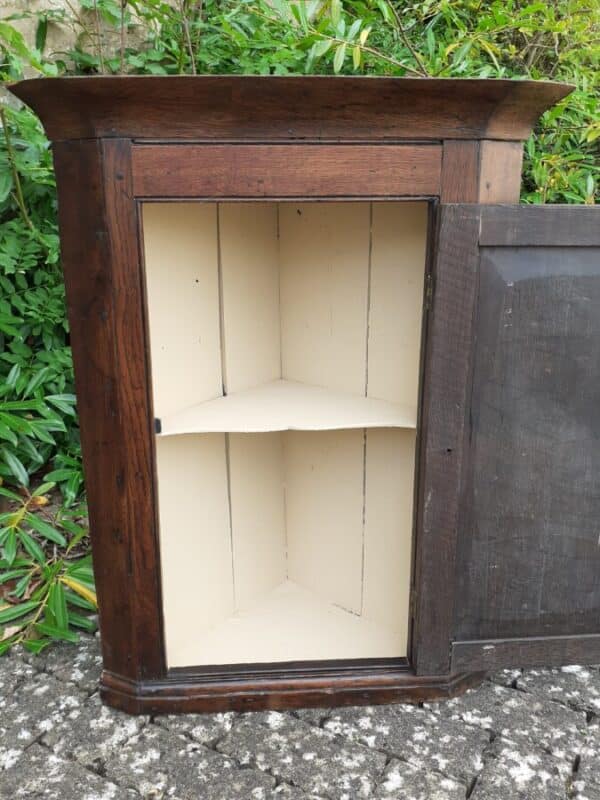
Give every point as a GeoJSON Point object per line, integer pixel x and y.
{"type": "Point", "coordinates": [543, 226]}
{"type": "Point", "coordinates": [286, 170]}
{"type": "Point", "coordinates": [500, 166]}
{"type": "Point", "coordinates": [546, 651]}
{"type": "Point", "coordinates": [444, 414]}
{"type": "Point", "coordinates": [460, 172]}
{"type": "Point", "coordinates": [353, 685]}
{"type": "Point", "coordinates": [271, 108]}
{"type": "Point", "coordinates": [101, 263]}
{"type": "Point", "coordinates": [528, 557]}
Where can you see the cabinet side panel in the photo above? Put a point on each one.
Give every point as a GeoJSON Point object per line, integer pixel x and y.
{"type": "Point", "coordinates": [180, 243]}
{"type": "Point", "coordinates": [195, 541]}
{"type": "Point", "coordinates": [324, 288]}
{"type": "Point", "coordinates": [324, 506]}
{"type": "Point", "coordinates": [399, 241]}
{"type": "Point", "coordinates": [250, 294]}
{"type": "Point", "coordinates": [390, 466]}
{"type": "Point", "coordinates": [257, 515]}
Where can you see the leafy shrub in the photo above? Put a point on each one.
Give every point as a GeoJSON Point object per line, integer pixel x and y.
{"type": "Point", "coordinates": [46, 582]}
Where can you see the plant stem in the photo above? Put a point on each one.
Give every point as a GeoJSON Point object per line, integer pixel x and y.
{"type": "Point", "coordinates": [423, 68]}
{"type": "Point", "coordinates": [15, 172]}
{"type": "Point", "coordinates": [188, 38]}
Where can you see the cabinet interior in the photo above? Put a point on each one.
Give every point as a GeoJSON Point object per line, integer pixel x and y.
{"type": "Point", "coordinates": [285, 347]}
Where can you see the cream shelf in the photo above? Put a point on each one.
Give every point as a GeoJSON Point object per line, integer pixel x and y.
{"type": "Point", "coordinates": [288, 405]}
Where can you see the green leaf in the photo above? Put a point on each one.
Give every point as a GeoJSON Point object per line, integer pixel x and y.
{"type": "Point", "coordinates": [32, 547]}
{"type": "Point", "coordinates": [338, 59]}
{"type": "Point", "coordinates": [41, 32]}
{"type": "Point", "coordinates": [43, 489]}
{"type": "Point", "coordinates": [58, 606]}
{"type": "Point", "coordinates": [14, 612]}
{"type": "Point", "coordinates": [79, 621]}
{"type": "Point", "coordinates": [15, 466]}
{"type": "Point", "coordinates": [10, 546]}
{"type": "Point", "coordinates": [6, 184]}
{"type": "Point", "coordinates": [356, 55]}
{"type": "Point", "coordinates": [36, 646]}
{"type": "Point", "coordinates": [56, 633]}
{"type": "Point", "coordinates": [336, 12]}
{"type": "Point", "coordinates": [45, 530]}
{"type": "Point", "coordinates": [321, 47]}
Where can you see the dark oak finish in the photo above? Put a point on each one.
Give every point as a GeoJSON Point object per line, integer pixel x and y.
{"type": "Point", "coordinates": [444, 404]}
{"type": "Point", "coordinates": [543, 226]}
{"type": "Point", "coordinates": [199, 693]}
{"type": "Point", "coordinates": [506, 564]}
{"type": "Point", "coordinates": [545, 651]}
{"type": "Point", "coordinates": [528, 561]}
{"type": "Point", "coordinates": [460, 172]}
{"type": "Point", "coordinates": [245, 108]}
{"type": "Point", "coordinates": [286, 170]}
{"type": "Point", "coordinates": [101, 264]}
{"type": "Point", "coordinates": [500, 166]}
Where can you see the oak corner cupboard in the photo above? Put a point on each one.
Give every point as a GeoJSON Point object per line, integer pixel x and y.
{"type": "Point", "coordinates": [338, 391]}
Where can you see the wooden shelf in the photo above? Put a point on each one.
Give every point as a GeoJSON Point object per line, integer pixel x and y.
{"type": "Point", "coordinates": [291, 624]}
{"type": "Point", "coordinates": [287, 405]}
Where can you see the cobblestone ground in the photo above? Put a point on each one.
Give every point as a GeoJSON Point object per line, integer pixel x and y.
{"type": "Point", "coordinates": [531, 735]}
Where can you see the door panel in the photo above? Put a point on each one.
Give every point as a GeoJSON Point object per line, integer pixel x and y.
{"type": "Point", "coordinates": [519, 568]}
{"type": "Point", "coordinates": [528, 551]}
{"type": "Point", "coordinates": [528, 540]}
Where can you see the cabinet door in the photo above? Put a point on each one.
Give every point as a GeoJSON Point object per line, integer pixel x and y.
{"type": "Point", "coordinates": [524, 547]}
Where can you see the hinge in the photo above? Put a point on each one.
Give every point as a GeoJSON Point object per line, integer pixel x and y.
{"type": "Point", "coordinates": [428, 291]}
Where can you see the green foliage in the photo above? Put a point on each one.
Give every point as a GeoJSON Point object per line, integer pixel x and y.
{"type": "Point", "coordinates": [47, 584]}
{"type": "Point", "coordinates": [444, 38]}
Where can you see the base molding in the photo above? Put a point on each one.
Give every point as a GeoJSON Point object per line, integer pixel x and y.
{"type": "Point", "coordinates": [178, 693]}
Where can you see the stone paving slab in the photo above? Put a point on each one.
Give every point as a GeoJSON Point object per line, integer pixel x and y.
{"type": "Point", "coordinates": [522, 718]}
{"type": "Point", "coordinates": [423, 739]}
{"type": "Point", "coordinates": [522, 735]}
{"type": "Point", "coordinates": [43, 775]}
{"type": "Point", "coordinates": [309, 758]}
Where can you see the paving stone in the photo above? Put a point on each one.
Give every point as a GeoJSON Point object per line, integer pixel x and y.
{"type": "Point", "coordinates": [521, 773]}
{"type": "Point", "coordinates": [519, 717]}
{"type": "Point", "coordinates": [204, 728]}
{"type": "Point", "coordinates": [588, 769]}
{"type": "Point", "coordinates": [578, 687]}
{"type": "Point", "coordinates": [423, 739]}
{"type": "Point", "coordinates": [35, 708]}
{"type": "Point", "coordinates": [13, 671]}
{"type": "Point", "coordinates": [307, 757]}
{"type": "Point", "coordinates": [161, 764]}
{"type": "Point", "coordinates": [312, 716]}
{"type": "Point", "coordinates": [286, 792]}
{"type": "Point", "coordinates": [506, 677]}
{"type": "Point", "coordinates": [583, 790]}
{"type": "Point", "coordinates": [406, 782]}
{"type": "Point", "coordinates": [79, 663]}
{"type": "Point", "coordinates": [41, 774]}
{"type": "Point", "coordinates": [92, 732]}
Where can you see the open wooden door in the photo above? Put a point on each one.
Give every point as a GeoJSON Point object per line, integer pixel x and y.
{"type": "Point", "coordinates": [520, 557]}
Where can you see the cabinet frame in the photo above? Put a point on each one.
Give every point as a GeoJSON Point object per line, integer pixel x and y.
{"type": "Point", "coordinates": [122, 153]}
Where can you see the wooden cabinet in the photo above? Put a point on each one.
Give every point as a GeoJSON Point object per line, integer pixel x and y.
{"type": "Point", "coordinates": [338, 406]}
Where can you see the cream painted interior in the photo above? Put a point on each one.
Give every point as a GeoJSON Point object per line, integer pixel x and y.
{"type": "Point", "coordinates": [285, 342]}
